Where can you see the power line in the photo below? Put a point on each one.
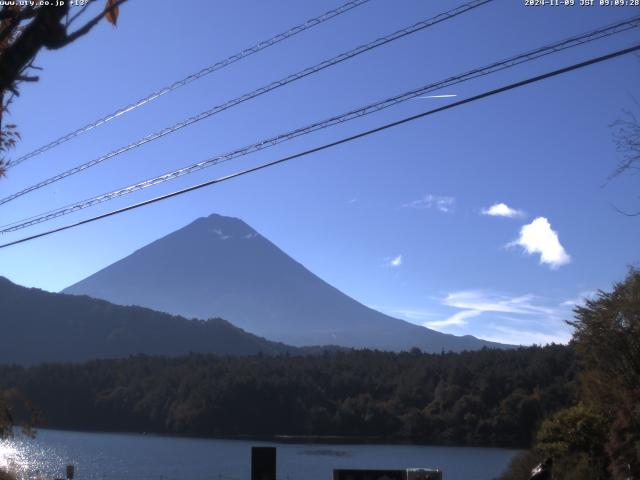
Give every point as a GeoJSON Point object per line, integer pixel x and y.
{"type": "Point", "coordinates": [359, 112]}
{"type": "Point", "coordinates": [253, 94]}
{"type": "Point", "coordinates": [193, 77]}
{"type": "Point", "coordinates": [263, 166]}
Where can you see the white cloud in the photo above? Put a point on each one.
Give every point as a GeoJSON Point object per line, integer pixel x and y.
{"type": "Point", "coordinates": [502, 210]}
{"type": "Point", "coordinates": [518, 336]}
{"type": "Point", "coordinates": [515, 319]}
{"type": "Point", "coordinates": [490, 302]}
{"type": "Point", "coordinates": [411, 314]}
{"type": "Point", "coordinates": [459, 318]}
{"type": "Point", "coordinates": [441, 203]}
{"type": "Point", "coordinates": [538, 237]}
{"type": "Point", "coordinates": [499, 317]}
{"type": "Point", "coordinates": [396, 261]}
{"type": "Point", "coordinates": [580, 299]}
{"type": "Point", "coordinates": [220, 233]}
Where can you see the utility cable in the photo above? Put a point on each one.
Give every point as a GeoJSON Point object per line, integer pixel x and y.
{"type": "Point", "coordinates": [191, 78]}
{"type": "Point", "coordinates": [371, 108]}
{"type": "Point", "coordinates": [253, 94]}
{"type": "Point", "coordinates": [474, 98]}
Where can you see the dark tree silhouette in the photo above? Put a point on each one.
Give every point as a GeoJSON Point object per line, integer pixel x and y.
{"type": "Point", "coordinates": [485, 397]}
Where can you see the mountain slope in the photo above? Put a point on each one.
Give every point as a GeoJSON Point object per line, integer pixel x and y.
{"type": "Point", "coordinates": [39, 326]}
{"type": "Point", "coordinates": [219, 266]}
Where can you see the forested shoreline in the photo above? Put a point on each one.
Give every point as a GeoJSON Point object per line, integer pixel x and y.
{"type": "Point", "coordinates": [576, 405]}
{"type": "Point", "coordinates": [483, 398]}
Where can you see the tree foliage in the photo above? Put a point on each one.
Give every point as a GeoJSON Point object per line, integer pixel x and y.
{"type": "Point", "coordinates": [14, 405]}
{"type": "Point", "coordinates": [607, 343]}
{"type": "Point", "coordinates": [488, 397]}
{"type": "Point", "coordinates": [599, 436]}
{"type": "Point", "coordinates": [575, 437]}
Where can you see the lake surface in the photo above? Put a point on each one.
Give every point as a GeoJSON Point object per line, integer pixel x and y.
{"type": "Point", "coordinates": [101, 456]}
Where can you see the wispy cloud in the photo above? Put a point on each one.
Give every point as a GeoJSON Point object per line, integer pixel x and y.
{"type": "Point", "coordinates": [395, 261]}
{"type": "Point", "coordinates": [484, 301]}
{"type": "Point", "coordinates": [495, 316]}
{"type": "Point", "coordinates": [441, 203]}
{"type": "Point", "coordinates": [502, 210]}
{"type": "Point", "coordinates": [580, 299]}
{"type": "Point", "coordinates": [412, 314]}
{"type": "Point", "coordinates": [519, 336]}
{"type": "Point", "coordinates": [515, 319]}
{"type": "Point", "coordinates": [459, 318]}
{"type": "Point", "coordinates": [538, 237]}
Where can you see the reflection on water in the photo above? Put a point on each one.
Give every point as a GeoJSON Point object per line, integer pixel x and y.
{"type": "Point", "coordinates": [25, 458]}
{"type": "Point", "coordinates": [10, 457]}
{"type": "Point", "coordinates": [103, 456]}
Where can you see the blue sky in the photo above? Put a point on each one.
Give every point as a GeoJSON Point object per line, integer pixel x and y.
{"type": "Point", "coordinates": [401, 220]}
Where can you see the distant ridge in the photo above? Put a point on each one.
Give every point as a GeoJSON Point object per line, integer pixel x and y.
{"type": "Point", "coordinates": [38, 326]}
{"type": "Point", "coordinates": [221, 267]}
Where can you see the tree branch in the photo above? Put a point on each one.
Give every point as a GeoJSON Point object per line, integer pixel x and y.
{"type": "Point", "coordinates": [82, 10]}
{"type": "Point", "coordinates": [8, 28]}
{"type": "Point", "coordinates": [89, 25]}
{"type": "Point", "coordinates": [22, 14]}
{"type": "Point", "coordinates": [44, 30]}
{"type": "Point", "coordinates": [627, 214]}
{"type": "Point", "coordinates": [27, 78]}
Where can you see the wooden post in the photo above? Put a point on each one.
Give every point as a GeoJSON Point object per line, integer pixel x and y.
{"type": "Point", "coordinates": [263, 463]}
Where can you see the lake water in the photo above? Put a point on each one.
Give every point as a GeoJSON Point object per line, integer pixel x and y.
{"type": "Point", "coordinates": [101, 456]}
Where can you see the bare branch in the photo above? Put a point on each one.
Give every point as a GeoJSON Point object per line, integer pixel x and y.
{"type": "Point", "coordinates": [82, 10]}
{"type": "Point", "coordinates": [89, 25]}
{"type": "Point", "coordinates": [44, 30]}
{"type": "Point", "coordinates": [28, 78]}
{"type": "Point", "coordinates": [627, 139]}
{"type": "Point", "coordinates": [626, 214]}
